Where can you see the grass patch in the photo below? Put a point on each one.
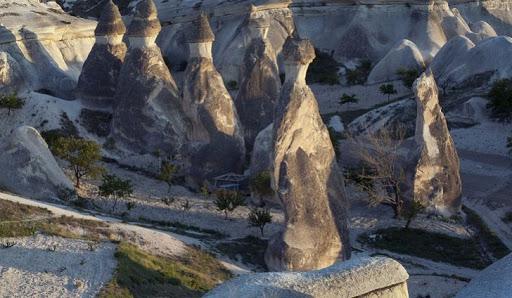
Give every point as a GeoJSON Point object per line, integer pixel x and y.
{"type": "Point", "coordinates": [486, 235]}
{"type": "Point", "coordinates": [249, 250]}
{"type": "Point", "coordinates": [428, 245]}
{"type": "Point", "coordinates": [140, 274]}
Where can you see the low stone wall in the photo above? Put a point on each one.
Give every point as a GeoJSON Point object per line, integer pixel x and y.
{"type": "Point", "coordinates": [359, 277]}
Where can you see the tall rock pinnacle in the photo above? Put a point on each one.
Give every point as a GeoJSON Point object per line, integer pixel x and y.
{"type": "Point", "coordinates": [148, 116]}
{"type": "Point", "coordinates": [437, 181]}
{"type": "Point", "coordinates": [98, 80]}
{"type": "Point", "coordinates": [217, 145]}
{"type": "Point", "coordinates": [260, 86]}
{"type": "Point", "coordinates": [306, 175]}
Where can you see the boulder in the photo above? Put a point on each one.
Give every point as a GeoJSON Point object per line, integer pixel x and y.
{"type": "Point", "coordinates": [494, 281]}
{"type": "Point", "coordinates": [316, 231]}
{"type": "Point", "coordinates": [437, 183]}
{"type": "Point", "coordinates": [452, 53]}
{"type": "Point", "coordinates": [336, 124]}
{"type": "Point", "coordinates": [29, 169]}
{"type": "Point", "coordinates": [260, 86]}
{"type": "Point", "coordinates": [359, 277]}
{"type": "Point", "coordinates": [11, 78]}
{"type": "Point", "coordinates": [148, 117]}
{"type": "Point", "coordinates": [216, 142]}
{"type": "Point", "coordinates": [98, 81]}
{"type": "Point", "coordinates": [261, 156]}
{"type": "Point", "coordinates": [405, 55]}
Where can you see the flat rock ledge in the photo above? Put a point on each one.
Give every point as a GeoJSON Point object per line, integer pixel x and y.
{"type": "Point", "coordinates": [359, 277]}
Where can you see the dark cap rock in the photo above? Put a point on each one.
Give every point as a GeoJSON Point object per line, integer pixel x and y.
{"type": "Point", "coordinates": [298, 50]}
{"type": "Point", "coordinates": [145, 21]}
{"type": "Point", "coordinates": [200, 30]}
{"type": "Point", "coordinates": [110, 22]}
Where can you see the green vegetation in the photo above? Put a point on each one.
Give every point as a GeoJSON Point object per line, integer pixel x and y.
{"type": "Point", "coordinates": [232, 85]}
{"type": "Point", "coordinates": [261, 185]}
{"type": "Point", "coordinates": [167, 173]}
{"type": "Point", "coordinates": [346, 99]}
{"type": "Point", "coordinates": [228, 200]}
{"type": "Point", "coordinates": [388, 89]}
{"type": "Point", "coordinates": [259, 218]}
{"type": "Point", "coordinates": [486, 235]}
{"type": "Point", "coordinates": [408, 76]}
{"type": "Point", "coordinates": [11, 102]}
{"type": "Point", "coordinates": [507, 218]}
{"type": "Point", "coordinates": [500, 100]}
{"type": "Point", "coordinates": [116, 188]}
{"type": "Point", "coordinates": [249, 250]}
{"type": "Point", "coordinates": [428, 245]}
{"type": "Point", "coordinates": [82, 155]}
{"type": "Point", "coordinates": [359, 75]}
{"type": "Point", "coordinates": [323, 70]}
{"type": "Point", "coordinates": [140, 274]}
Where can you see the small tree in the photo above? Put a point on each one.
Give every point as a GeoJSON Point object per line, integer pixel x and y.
{"type": "Point", "coordinates": [167, 173]}
{"type": "Point", "coordinates": [500, 100]}
{"type": "Point", "coordinates": [11, 102]}
{"type": "Point", "coordinates": [412, 210]}
{"type": "Point", "coordinates": [261, 185]}
{"type": "Point", "coordinates": [227, 201]}
{"type": "Point", "coordinates": [345, 99]}
{"type": "Point", "coordinates": [388, 89]}
{"type": "Point", "coordinates": [408, 76]}
{"type": "Point", "coordinates": [259, 218]}
{"type": "Point", "coordinates": [82, 155]}
{"type": "Point", "coordinates": [116, 188]}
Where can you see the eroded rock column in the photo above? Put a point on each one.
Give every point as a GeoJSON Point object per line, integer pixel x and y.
{"type": "Point", "coordinates": [98, 80]}
{"type": "Point", "coordinates": [437, 181]}
{"type": "Point", "coordinates": [306, 176]}
{"type": "Point", "coordinates": [217, 146]}
{"type": "Point", "coordinates": [148, 116]}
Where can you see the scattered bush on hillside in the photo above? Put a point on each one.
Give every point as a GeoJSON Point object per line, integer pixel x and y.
{"type": "Point", "coordinates": [388, 90]}
{"type": "Point", "coordinates": [116, 188]}
{"type": "Point", "coordinates": [500, 100]}
{"type": "Point", "coordinates": [323, 70]}
{"type": "Point", "coordinates": [408, 76]}
{"type": "Point", "coordinates": [259, 218]}
{"type": "Point", "coordinates": [11, 102]}
{"type": "Point", "coordinates": [359, 75]}
{"type": "Point", "coordinates": [227, 201]}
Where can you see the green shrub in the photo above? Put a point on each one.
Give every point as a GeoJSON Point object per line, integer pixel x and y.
{"type": "Point", "coordinates": [359, 75]}
{"type": "Point", "coordinates": [500, 100]}
{"type": "Point", "coordinates": [323, 70]}
{"type": "Point", "coordinates": [408, 76]}
{"type": "Point", "coordinates": [11, 102]}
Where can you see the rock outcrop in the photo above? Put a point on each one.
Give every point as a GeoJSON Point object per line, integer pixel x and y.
{"type": "Point", "coordinates": [217, 145]}
{"type": "Point", "coordinates": [98, 81]}
{"type": "Point", "coordinates": [405, 55]}
{"type": "Point", "coordinates": [361, 277]}
{"type": "Point", "coordinates": [315, 205]}
{"type": "Point", "coordinates": [437, 182]}
{"type": "Point", "coordinates": [148, 116]}
{"type": "Point", "coordinates": [260, 86]}
{"type": "Point", "coordinates": [11, 79]}
{"type": "Point", "coordinates": [29, 169]}
{"type": "Point", "coordinates": [261, 156]}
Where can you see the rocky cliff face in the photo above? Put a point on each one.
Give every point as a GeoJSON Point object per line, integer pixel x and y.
{"type": "Point", "coordinates": [217, 145]}
{"type": "Point", "coordinates": [437, 180]}
{"type": "Point", "coordinates": [147, 115]}
{"type": "Point", "coordinates": [316, 229]}
{"type": "Point", "coordinates": [98, 81]}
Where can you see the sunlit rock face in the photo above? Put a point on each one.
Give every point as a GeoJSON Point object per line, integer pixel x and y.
{"type": "Point", "coordinates": [11, 78]}
{"type": "Point", "coordinates": [217, 146]}
{"type": "Point", "coordinates": [437, 180]}
{"type": "Point", "coordinates": [260, 86]}
{"type": "Point", "coordinates": [98, 81]}
{"type": "Point", "coordinates": [147, 117]}
{"type": "Point", "coordinates": [29, 168]}
{"type": "Point", "coordinates": [306, 176]}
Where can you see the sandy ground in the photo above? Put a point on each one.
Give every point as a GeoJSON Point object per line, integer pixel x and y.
{"type": "Point", "coordinates": [45, 266]}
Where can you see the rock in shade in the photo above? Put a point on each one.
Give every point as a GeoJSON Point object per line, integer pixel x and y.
{"type": "Point", "coordinates": [260, 86]}
{"type": "Point", "coordinates": [217, 145]}
{"type": "Point", "coordinates": [148, 117]}
{"type": "Point", "coordinates": [98, 81]}
{"type": "Point", "coordinates": [437, 181]}
{"type": "Point", "coordinates": [11, 79]}
{"type": "Point", "coordinates": [29, 169]}
{"type": "Point", "coordinates": [261, 156]}
{"type": "Point", "coordinates": [306, 176]}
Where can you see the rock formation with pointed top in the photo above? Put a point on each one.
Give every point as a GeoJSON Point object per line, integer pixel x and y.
{"type": "Point", "coordinates": [260, 86]}
{"type": "Point", "coordinates": [148, 116]}
{"type": "Point", "coordinates": [437, 181]}
{"type": "Point", "coordinates": [98, 80]}
{"type": "Point", "coordinates": [11, 78]}
{"type": "Point", "coordinates": [217, 145]}
{"type": "Point", "coordinates": [306, 176]}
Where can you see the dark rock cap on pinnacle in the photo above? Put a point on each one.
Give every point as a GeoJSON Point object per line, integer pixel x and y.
{"type": "Point", "coordinates": [145, 20]}
{"type": "Point", "coordinates": [201, 30]}
{"type": "Point", "coordinates": [298, 50]}
{"type": "Point", "coordinates": [110, 21]}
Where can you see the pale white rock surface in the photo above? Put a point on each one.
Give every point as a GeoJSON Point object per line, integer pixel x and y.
{"type": "Point", "coordinates": [336, 124]}
{"type": "Point", "coordinates": [452, 53]}
{"type": "Point", "coordinates": [29, 168]}
{"type": "Point", "coordinates": [359, 277]}
{"type": "Point", "coordinates": [11, 78]}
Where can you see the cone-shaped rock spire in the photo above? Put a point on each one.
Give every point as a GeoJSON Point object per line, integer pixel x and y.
{"type": "Point", "coordinates": [145, 21]}
{"type": "Point", "coordinates": [200, 31]}
{"type": "Point", "coordinates": [110, 21]}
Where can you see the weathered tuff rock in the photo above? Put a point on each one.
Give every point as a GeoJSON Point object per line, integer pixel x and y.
{"type": "Point", "coordinates": [360, 277]}
{"type": "Point", "coordinates": [261, 156]}
{"type": "Point", "coordinates": [315, 206]}
{"type": "Point", "coordinates": [11, 78]}
{"type": "Point", "coordinates": [260, 86]}
{"type": "Point", "coordinates": [98, 80]}
{"type": "Point", "coordinates": [437, 181]}
{"type": "Point", "coordinates": [147, 116]}
{"type": "Point", "coordinates": [217, 145]}
{"type": "Point", "coordinates": [28, 167]}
